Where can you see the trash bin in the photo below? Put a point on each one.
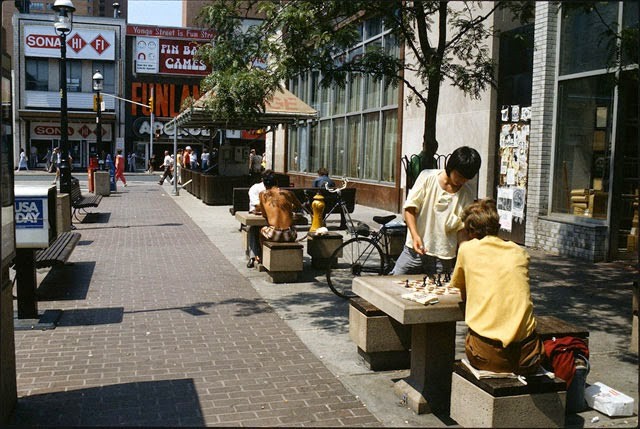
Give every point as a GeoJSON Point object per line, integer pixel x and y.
{"type": "Point", "coordinates": [397, 235]}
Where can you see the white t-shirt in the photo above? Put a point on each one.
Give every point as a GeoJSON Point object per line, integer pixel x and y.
{"type": "Point", "coordinates": [168, 161]}
{"type": "Point", "coordinates": [254, 195]}
{"type": "Point", "coordinates": [437, 214]}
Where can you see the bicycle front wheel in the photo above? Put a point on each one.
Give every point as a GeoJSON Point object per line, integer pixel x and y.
{"type": "Point", "coordinates": [356, 257]}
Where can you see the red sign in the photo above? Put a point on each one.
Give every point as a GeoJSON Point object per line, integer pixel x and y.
{"type": "Point", "coordinates": [45, 41]}
{"type": "Point", "coordinates": [178, 57]}
{"type": "Point", "coordinates": [100, 44]}
{"type": "Point", "coordinates": [76, 42]}
{"type": "Point", "coordinates": [169, 32]}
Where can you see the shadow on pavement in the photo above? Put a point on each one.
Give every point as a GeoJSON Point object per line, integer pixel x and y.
{"type": "Point", "coordinates": [152, 403]}
{"type": "Point", "coordinates": [68, 282]}
{"type": "Point", "coordinates": [91, 316]}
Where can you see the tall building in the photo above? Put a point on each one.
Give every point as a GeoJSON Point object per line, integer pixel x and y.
{"type": "Point", "coordinates": [83, 7]}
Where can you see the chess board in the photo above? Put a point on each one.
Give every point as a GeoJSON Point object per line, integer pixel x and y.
{"type": "Point", "coordinates": [427, 290]}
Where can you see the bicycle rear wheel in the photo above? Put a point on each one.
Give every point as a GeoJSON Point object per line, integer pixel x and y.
{"type": "Point", "coordinates": [358, 256]}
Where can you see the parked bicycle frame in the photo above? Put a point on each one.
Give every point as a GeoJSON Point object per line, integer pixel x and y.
{"type": "Point", "coordinates": [366, 252]}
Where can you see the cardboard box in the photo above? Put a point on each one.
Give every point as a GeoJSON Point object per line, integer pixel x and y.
{"type": "Point", "coordinates": [609, 401]}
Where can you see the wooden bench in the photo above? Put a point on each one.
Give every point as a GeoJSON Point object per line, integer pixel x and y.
{"type": "Point", "coordinates": [59, 251]}
{"type": "Point", "coordinates": [26, 262]}
{"type": "Point", "coordinates": [82, 202]}
{"type": "Point", "coordinates": [241, 200]}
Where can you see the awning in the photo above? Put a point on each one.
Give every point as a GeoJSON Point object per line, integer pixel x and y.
{"type": "Point", "coordinates": [283, 107]}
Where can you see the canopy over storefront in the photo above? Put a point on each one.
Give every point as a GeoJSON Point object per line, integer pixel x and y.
{"type": "Point", "coordinates": [283, 107]}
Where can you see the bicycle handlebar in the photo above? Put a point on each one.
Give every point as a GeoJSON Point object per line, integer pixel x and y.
{"type": "Point", "coordinates": [334, 190]}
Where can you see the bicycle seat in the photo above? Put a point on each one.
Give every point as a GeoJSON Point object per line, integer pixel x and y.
{"type": "Point", "coordinates": [382, 220]}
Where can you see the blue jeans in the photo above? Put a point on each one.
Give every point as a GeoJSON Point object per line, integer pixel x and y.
{"type": "Point", "coordinates": [410, 262]}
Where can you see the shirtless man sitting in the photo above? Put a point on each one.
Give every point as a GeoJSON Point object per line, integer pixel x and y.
{"type": "Point", "coordinates": [277, 206]}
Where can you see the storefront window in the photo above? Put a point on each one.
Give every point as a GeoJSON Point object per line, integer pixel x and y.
{"type": "Point", "coordinates": [337, 164]}
{"type": "Point", "coordinates": [293, 148]}
{"type": "Point", "coordinates": [583, 43]}
{"type": "Point", "coordinates": [355, 86]}
{"type": "Point", "coordinates": [371, 146]}
{"type": "Point", "coordinates": [353, 143]}
{"type": "Point", "coordinates": [74, 76]}
{"type": "Point", "coordinates": [583, 146]}
{"type": "Point", "coordinates": [372, 85]}
{"type": "Point", "coordinates": [390, 92]}
{"type": "Point", "coordinates": [37, 71]}
{"type": "Point", "coordinates": [389, 142]}
{"type": "Point", "coordinates": [325, 144]}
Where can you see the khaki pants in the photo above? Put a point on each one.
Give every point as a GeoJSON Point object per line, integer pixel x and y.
{"type": "Point", "coordinates": [522, 358]}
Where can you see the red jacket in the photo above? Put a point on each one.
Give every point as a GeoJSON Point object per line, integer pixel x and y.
{"type": "Point", "coordinates": [562, 352]}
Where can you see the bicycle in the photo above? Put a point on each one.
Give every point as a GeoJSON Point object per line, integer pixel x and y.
{"type": "Point", "coordinates": [367, 252]}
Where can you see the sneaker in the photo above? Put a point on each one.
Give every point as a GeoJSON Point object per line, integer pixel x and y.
{"type": "Point", "coordinates": [160, 183]}
{"type": "Point", "coordinates": [125, 185]}
{"type": "Point", "coordinates": [251, 263]}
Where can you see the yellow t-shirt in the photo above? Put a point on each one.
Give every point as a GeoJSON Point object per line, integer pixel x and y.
{"type": "Point", "coordinates": [437, 214]}
{"type": "Point", "coordinates": [493, 274]}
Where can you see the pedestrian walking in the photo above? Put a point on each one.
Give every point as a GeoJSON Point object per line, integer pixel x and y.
{"type": "Point", "coordinates": [33, 161]}
{"type": "Point", "coordinates": [204, 159]}
{"type": "Point", "coordinates": [120, 168]}
{"type": "Point", "coordinates": [168, 166]}
{"type": "Point", "coordinates": [47, 161]}
{"type": "Point", "coordinates": [22, 161]}
{"type": "Point", "coordinates": [132, 162]}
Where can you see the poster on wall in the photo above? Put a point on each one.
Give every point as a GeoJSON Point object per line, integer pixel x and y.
{"type": "Point", "coordinates": [513, 164]}
{"type": "Point", "coordinates": [505, 204]}
{"type": "Point", "coordinates": [146, 55]}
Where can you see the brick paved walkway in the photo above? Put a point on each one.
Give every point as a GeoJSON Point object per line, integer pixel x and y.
{"type": "Point", "coordinates": [158, 329]}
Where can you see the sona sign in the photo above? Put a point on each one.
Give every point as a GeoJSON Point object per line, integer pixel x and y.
{"type": "Point", "coordinates": [41, 41]}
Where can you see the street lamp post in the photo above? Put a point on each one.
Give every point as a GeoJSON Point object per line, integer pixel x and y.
{"type": "Point", "coordinates": [63, 24]}
{"type": "Point", "coordinates": [98, 80]}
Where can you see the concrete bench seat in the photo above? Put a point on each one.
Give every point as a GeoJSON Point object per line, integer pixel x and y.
{"type": "Point", "coordinates": [283, 261]}
{"type": "Point", "coordinates": [506, 402]}
{"type": "Point", "coordinates": [382, 342]}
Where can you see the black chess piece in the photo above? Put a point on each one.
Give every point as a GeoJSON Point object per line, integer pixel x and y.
{"type": "Point", "coordinates": [438, 280]}
{"type": "Point", "coordinates": [424, 281]}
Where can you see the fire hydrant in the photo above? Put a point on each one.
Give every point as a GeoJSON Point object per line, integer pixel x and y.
{"type": "Point", "coordinates": [317, 210]}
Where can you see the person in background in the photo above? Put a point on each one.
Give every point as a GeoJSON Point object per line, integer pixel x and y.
{"type": "Point", "coordinates": [277, 207]}
{"type": "Point", "coordinates": [255, 166]}
{"type": "Point", "coordinates": [120, 168]}
{"type": "Point", "coordinates": [179, 166]}
{"type": "Point", "coordinates": [168, 166]}
{"type": "Point", "coordinates": [263, 163]}
{"type": "Point", "coordinates": [193, 159]}
{"type": "Point", "coordinates": [204, 159]}
{"type": "Point", "coordinates": [22, 161]}
{"type": "Point", "coordinates": [253, 233]}
{"type": "Point", "coordinates": [132, 162]}
{"type": "Point", "coordinates": [493, 277]}
{"type": "Point", "coordinates": [33, 161]}
{"type": "Point", "coordinates": [432, 213]}
{"type": "Point", "coordinates": [323, 177]}
{"type": "Point", "coordinates": [47, 161]}
{"type": "Point", "coordinates": [186, 157]}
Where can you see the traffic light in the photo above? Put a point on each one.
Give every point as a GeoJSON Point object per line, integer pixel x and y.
{"type": "Point", "coordinates": [97, 104]}
{"type": "Point", "coordinates": [151, 104]}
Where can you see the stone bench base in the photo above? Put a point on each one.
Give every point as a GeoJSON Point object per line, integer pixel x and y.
{"type": "Point", "coordinates": [283, 261]}
{"type": "Point", "coordinates": [382, 342]}
{"type": "Point", "coordinates": [494, 403]}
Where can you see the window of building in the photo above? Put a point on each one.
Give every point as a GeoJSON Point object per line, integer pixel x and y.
{"type": "Point", "coordinates": [583, 43]}
{"type": "Point", "coordinates": [36, 5]}
{"type": "Point", "coordinates": [357, 131]}
{"type": "Point", "coordinates": [108, 71]}
{"type": "Point", "coordinates": [583, 145]}
{"type": "Point", "coordinates": [584, 173]}
{"type": "Point", "coordinates": [37, 70]}
{"type": "Point", "coordinates": [74, 76]}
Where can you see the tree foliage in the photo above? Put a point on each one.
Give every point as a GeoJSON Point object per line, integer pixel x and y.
{"type": "Point", "coordinates": [443, 39]}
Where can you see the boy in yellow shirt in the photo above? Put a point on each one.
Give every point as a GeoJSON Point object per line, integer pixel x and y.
{"type": "Point", "coordinates": [493, 277]}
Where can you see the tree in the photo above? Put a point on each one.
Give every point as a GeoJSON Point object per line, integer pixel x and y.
{"type": "Point", "coordinates": [444, 40]}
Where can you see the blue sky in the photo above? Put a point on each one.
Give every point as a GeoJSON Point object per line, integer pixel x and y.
{"type": "Point", "coordinates": [164, 13]}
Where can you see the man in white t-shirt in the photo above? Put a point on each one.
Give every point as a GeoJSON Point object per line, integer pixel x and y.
{"type": "Point", "coordinates": [168, 166]}
{"type": "Point", "coordinates": [254, 231]}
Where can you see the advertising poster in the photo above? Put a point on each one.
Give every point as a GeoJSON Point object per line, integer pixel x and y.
{"type": "Point", "coordinates": [146, 55]}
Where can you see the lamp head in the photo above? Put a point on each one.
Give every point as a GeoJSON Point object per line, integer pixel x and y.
{"type": "Point", "coordinates": [64, 16]}
{"type": "Point", "coordinates": [98, 80]}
